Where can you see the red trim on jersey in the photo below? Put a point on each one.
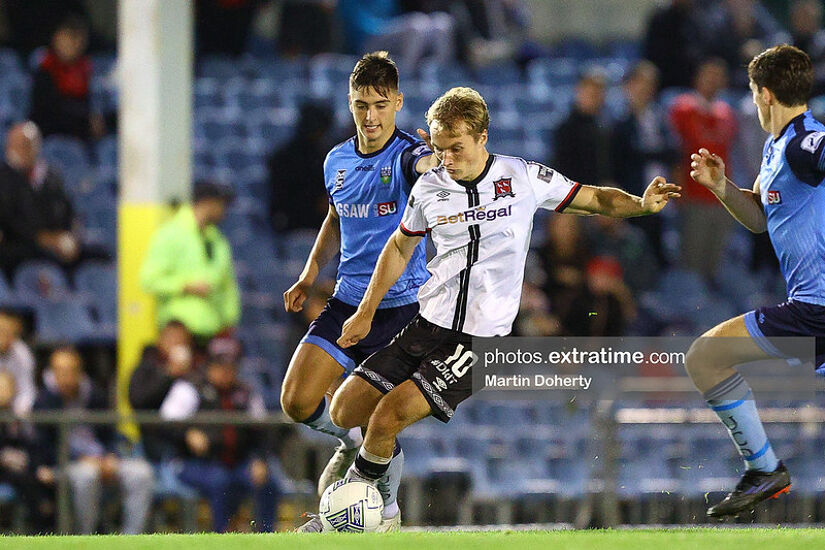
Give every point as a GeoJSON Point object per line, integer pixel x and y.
{"type": "Point", "coordinates": [569, 198]}
{"type": "Point", "coordinates": [409, 233]}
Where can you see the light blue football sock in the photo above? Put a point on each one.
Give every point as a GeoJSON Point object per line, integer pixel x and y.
{"type": "Point", "coordinates": [732, 401]}
{"type": "Point", "coordinates": [321, 422]}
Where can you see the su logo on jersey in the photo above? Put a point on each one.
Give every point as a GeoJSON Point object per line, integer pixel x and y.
{"type": "Point", "coordinates": [774, 197]}
{"type": "Point", "coordinates": [503, 188]}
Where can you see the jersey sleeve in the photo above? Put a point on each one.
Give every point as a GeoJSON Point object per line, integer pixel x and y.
{"type": "Point", "coordinates": [413, 222]}
{"type": "Point", "coordinates": [805, 154]}
{"type": "Point", "coordinates": [552, 190]}
{"type": "Point", "coordinates": [410, 157]}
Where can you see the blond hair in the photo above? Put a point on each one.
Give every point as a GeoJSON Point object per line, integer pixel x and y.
{"type": "Point", "coordinates": [459, 105]}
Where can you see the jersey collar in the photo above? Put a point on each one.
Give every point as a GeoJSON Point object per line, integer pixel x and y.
{"type": "Point", "coordinates": [481, 176]}
{"type": "Point", "coordinates": [374, 153]}
{"type": "Point", "coordinates": [790, 123]}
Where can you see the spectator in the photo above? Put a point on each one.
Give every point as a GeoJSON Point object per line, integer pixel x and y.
{"type": "Point", "coordinates": [160, 367]}
{"type": "Point", "coordinates": [60, 98]}
{"type": "Point", "coordinates": [92, 448]}
{"type": "Point", "coordinates": [701, 119]}
{"type": "Point", "coordinates": [604, 305]}
{"type": "Point", "coordinates": [296, 174]}
{"type": "Point", "coordinates": [809, 36]}
{"type": "Point", "coordinates": [643, 147]}
{"type": "Point", "coordinates": [225, 463]}
{"type": "Point", "coordinates": [583, 139]}
{"type": "Point", "coordinates": [738, 30]}
{"type": "Point", "coordinates": [189, 268]}
{"type": "Point", "coordinates": [17, 360]}
{"type": "Point", "coordinates": [564, 256]}
{"type": "Point", "coordinates": [374, 25]}
{"type": "Point", "coordinates": [487, 31]}
{"type": "Point", "coordinates": [627, 244]}
{"type": "Point", "coordinates": [20, 463]}
{"type": "Point", "coordinates": [674, 43]}
{"type": "Point", "coordinates": [36, 215]}
{"type": "Point", "coordinates": [222, 26]}
{"type": "Point", "coordinates": [306, 27]}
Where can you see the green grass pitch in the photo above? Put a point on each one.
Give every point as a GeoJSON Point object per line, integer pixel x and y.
{"type": "Point", "coordinates": [658, 539]}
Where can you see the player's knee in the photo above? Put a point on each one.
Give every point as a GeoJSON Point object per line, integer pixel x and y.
{"type": "Point", "coordinates": [697, 358]}
{"type": "Point", "coordinates": [345, 411]}
{"type": "Point", "coordinates": [296, 405]}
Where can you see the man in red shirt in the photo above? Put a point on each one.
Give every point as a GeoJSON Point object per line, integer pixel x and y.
{"type": "Point", "coordinates": [700, 118]}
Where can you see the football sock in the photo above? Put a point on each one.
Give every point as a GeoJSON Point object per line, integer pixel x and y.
{"type": "Point", "coordinates": [732, 401]}
{"type": "Point", "coordinates": [388, 484]}
{"type": "Point", "coordinates": [368, 466]}
{"type": "Point", "coordinates": [321, 422]}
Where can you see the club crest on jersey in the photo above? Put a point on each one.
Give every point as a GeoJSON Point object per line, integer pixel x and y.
{"type": "Point", "coordinates": [386, 174]}
{"type": "Point", "coordinates": [503, 188]}
{"type": "Point", "coordinates": [339, 178]}
{"type": "Point", "coordinates": [774, 197]}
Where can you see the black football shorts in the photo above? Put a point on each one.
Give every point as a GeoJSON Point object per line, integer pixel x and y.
{"type": "Point", "coordinates": [438, 360]}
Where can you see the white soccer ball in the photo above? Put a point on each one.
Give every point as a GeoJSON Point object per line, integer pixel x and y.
{"type": "Point", "coordinates": [351, 506]}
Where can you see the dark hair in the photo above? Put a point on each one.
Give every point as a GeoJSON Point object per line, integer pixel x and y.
{"type": "Point", "coordinates": [375, 70]}
{"type": "Point", "coordinates": [786, 71]}
{"type": "Point", "coordinates": [73, 23]}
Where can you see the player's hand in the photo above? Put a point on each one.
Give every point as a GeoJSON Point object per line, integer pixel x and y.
{"type": "Point", "coordinates": [708, 170]}
{"type": "Point", "coordinates": [295, 296]}
{"type": "Point", "coordinates": [658, 193]}
{"type": "Point", "coordinates": [355, 329]}
{"type": "Point", "coordinates": [425, 137]}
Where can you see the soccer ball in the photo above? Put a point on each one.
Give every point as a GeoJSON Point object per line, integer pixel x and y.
{"type": "Point", "coordinates": [351, 506]}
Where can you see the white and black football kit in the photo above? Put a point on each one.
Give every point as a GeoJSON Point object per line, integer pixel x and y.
{"type": "Point", "coordinates": [481, 232]}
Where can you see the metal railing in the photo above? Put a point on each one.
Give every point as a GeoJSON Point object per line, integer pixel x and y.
{"type": "Point", "coordinates": [65, 420]}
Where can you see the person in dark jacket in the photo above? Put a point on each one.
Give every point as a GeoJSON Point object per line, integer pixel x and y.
{"type": "Point", "coordinates": [582, 150]}
{"type": "Point", "coordinates": [92, 448]}
{"type": "Point", "coordinates": [36, 213]}
{"type": "Point", "coordinates": [160, 366]}
{"type": "Point", "coordinates": [225, 463]}
{"type": "Point", "coordinates": [21, 463]}
{"type": "Point", "coordinates": [60, 97]}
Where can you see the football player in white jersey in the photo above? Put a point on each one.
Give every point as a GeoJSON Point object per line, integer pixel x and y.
{"type": "Point", "coordinates": [478, 209]}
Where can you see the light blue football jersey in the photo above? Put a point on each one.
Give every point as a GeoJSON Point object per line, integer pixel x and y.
{"type": "Point", "coordinates": [369, 192]}
{"type": "Point", "coordinates": [793, 197]}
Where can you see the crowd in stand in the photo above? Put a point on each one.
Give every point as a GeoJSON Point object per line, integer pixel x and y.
{"type": "Point", "coordinates": [585, 276]}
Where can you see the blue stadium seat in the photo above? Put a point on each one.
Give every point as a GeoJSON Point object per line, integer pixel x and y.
{"type": "Point", "coordinates": [577, 48]}
{"type": "Point", "coordinates": [98, 282]}
{"type": "Point", "coordinates": [66, 320]}
{"type": "Point", "coordinates": [500, 74]}
{"type": "Point", "coordinates": [38, 280]}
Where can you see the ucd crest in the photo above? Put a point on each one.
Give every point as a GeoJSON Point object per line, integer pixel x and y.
{"type": "Point", "coordinates": [503, 188]}
{"type": "Point", "coordinates": [386, 174]}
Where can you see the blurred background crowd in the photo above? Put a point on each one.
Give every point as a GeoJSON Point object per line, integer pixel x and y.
{"type": "Point", "coordinates": [613, 107]}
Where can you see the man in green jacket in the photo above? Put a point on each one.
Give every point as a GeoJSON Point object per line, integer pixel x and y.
{"type": "Point", "coordinates": [189, 268]}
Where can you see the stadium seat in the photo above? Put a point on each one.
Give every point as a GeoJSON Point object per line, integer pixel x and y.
{"type": "Point", "coordinates": [38, 280]}
{"type": "Point", "coordinates": [66, 320]}
{"type": "Point", "coordinates": [98, 282]}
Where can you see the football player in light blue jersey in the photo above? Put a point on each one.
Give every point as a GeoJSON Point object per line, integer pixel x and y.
{"type": "Point", "coordinates": [787, 201]}
{"type": "Point", "coordinates": [368, 179]}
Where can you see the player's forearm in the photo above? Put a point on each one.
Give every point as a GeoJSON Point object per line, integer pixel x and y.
{"type": "Point", "coordinates": [326, 246]}
{"type": "Point", "coordinates": [390, 266]}
{"type": "Point", "coordinates": [617, 203]}
{"type": "Point", "coordinates": [744, 205]}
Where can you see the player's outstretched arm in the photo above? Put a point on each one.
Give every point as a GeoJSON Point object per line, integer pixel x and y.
{"type": "Point", "coordinates": [708, 170]}
{"type": "Point", "coordinates": [391, 264]}
{"type": "Point", "coordinates": [616, 203]}
{"type": "Point", "coordinates": [326, 246]}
